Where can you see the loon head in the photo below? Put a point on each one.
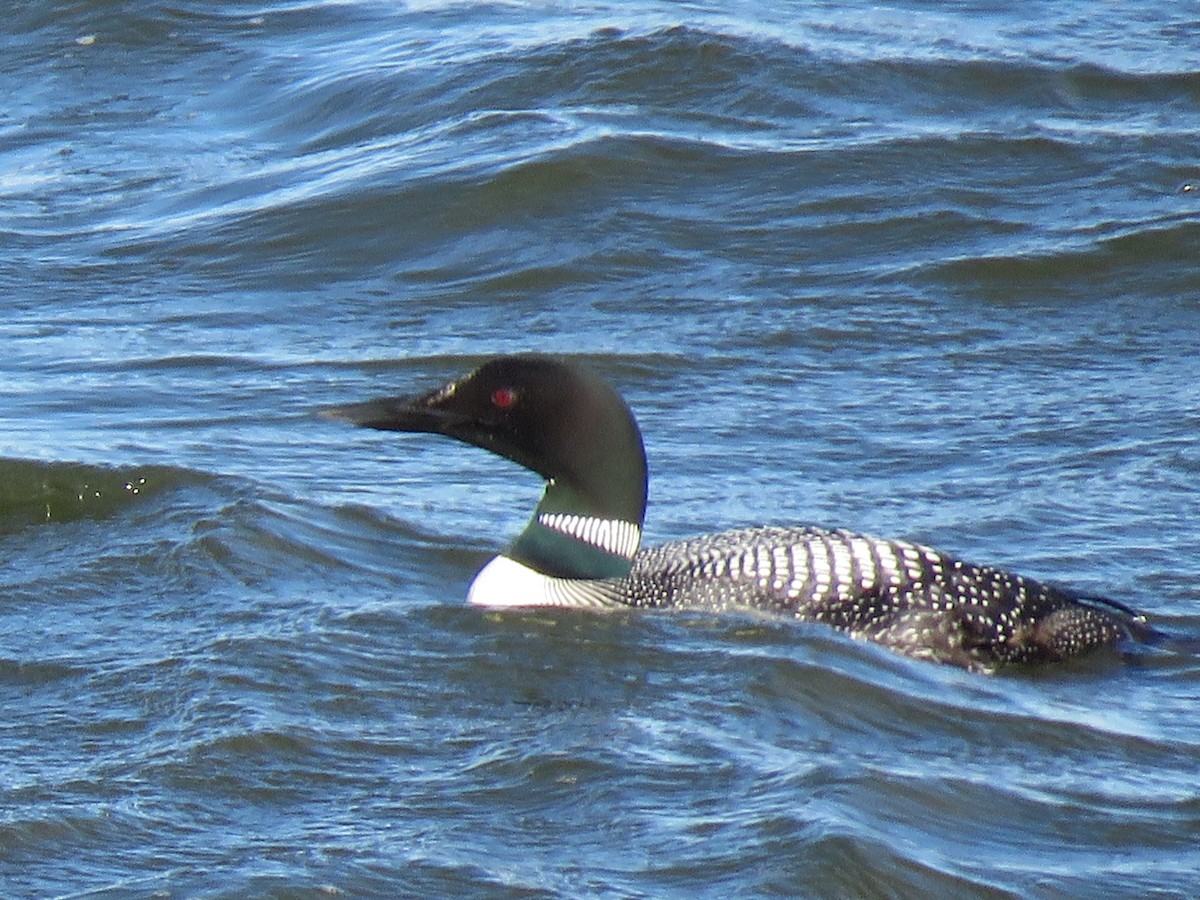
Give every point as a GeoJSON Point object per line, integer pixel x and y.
{"type": "Point", "coordinates": [559, 419]}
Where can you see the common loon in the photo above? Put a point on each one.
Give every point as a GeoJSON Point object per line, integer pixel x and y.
{"type": "Point", "coordinates": [581, 548]}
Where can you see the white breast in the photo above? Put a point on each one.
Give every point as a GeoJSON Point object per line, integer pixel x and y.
{"type": "Point", "coordinates": [504, 582]}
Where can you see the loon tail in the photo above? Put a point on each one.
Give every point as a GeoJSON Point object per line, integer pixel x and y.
{"type": "Point", "coordinates": [1109, 605]}
{"type": "Point", "coordinates": [1141, 632]}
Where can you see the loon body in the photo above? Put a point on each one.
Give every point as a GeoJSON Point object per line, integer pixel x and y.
{"type": "Point", "coordinates": [581, 548]}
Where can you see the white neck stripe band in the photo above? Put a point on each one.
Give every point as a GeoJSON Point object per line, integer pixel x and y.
{"type": "Point", "coordinates": [611, 535]}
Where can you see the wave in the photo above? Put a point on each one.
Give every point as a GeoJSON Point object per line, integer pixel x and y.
{"type": "Point", "coordinates": [416, 156]}
{"type": "Point", "coordinates": [1149, 258]}
{"type": "Point", "coordinates": [33, 491]}
{"type": "Point", "coordinates": [219, 526]}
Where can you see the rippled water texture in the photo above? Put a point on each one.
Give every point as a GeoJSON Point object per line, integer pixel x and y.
{"type": "Point", "coordinates": [925, 271]}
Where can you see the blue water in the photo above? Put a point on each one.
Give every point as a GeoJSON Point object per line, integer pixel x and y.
{"type": "Point", "coordinates": [921, 270]}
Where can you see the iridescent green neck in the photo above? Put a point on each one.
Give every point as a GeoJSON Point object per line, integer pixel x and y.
{"type": "Point", "coordinates": [566, 538]}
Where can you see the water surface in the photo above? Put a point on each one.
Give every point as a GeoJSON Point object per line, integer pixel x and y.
{"type": "Point", "coordinates": [920, 270]}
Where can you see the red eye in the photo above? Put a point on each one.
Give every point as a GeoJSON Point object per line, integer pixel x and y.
{"type": "Point", "coordinates": [504, 398]}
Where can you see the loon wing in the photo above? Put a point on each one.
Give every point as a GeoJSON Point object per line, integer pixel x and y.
{"type": "Point", "coordinates": [910, 598]}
